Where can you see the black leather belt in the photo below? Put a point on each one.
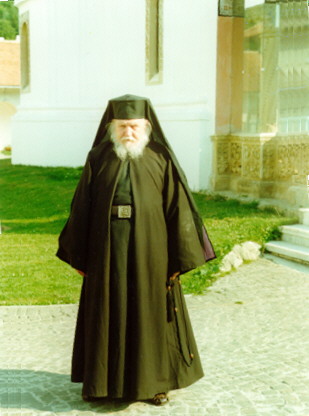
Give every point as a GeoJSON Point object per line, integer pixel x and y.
{"type": "Point", "coordinates": [122, 211]}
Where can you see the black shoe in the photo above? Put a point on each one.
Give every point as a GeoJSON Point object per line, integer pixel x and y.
{"type": "Point", "coordinates": [159, 399]}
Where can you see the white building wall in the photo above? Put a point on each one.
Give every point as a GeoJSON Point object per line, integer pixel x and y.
{"type": "Point", "coordinates": [83, 53]}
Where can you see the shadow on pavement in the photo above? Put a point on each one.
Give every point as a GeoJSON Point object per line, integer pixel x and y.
{"type": "Point", "coordinates": [43, 391]}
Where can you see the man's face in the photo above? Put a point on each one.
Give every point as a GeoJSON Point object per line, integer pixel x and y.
{"type": "Point", "coordinates": [130, 137]}
{"type": "Point", "coordinates": [131, 131]}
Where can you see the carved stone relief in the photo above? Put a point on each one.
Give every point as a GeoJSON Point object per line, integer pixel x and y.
{"type": "Point", "coordinates": [222, 158]}
{"type": "Point", "coordinates": [235, 158]}
{"type": "Point", "coordinates": [267, 163]}
{"type": "Point", "coordinates": [251, 161]}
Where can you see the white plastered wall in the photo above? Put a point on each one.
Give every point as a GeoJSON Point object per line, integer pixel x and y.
{"type": "Point", "coordinates": [83, 53]}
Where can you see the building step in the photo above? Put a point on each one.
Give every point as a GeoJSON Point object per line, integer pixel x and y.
{"type": "Point", "coordinates": [295, 265]}
{"type": "Point", "coordinates": [297, 234]}
{"type": "Point", "coordinates": [304, 216]}
{"type": "Point", "coordinates": [287, 250]}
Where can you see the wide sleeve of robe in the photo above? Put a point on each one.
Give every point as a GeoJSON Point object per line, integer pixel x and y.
{"type": "Point", "coordinates": [186, 251]}
{"type": "Point", "coordinates": [73, 240]}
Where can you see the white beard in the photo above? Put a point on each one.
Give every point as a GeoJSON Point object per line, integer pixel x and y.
{"type": "Point", "coordinates": [131, 148]}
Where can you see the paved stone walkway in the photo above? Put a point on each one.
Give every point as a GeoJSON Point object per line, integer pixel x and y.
{"type": "Point", "coordinates": [253, 334]}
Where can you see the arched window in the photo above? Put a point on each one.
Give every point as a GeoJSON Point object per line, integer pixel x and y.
{"type": "Point", "coordinates": [25, 54]}
{"type": "Point", "coordinates": [154, 54]}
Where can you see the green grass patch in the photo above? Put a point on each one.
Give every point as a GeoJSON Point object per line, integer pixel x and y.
{"type": "Point", "coordinates": [34, 205]}
{"type": "Point", "coordinates": [32, 275]}
{"type": "Point", "coordinates": [34, 199]}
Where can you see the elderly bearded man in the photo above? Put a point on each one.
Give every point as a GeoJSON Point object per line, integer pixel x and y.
{"type": "Point", "coordinates": [133, 230]}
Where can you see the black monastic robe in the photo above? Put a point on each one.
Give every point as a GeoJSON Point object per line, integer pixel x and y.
{"type": "Point", "coordinates": [129, 343]}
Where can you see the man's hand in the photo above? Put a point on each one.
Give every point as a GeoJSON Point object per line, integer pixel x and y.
{"type": "Point", "coordinates": [176, 274]}
{"type": "Point", "coordinates": [81, 273]}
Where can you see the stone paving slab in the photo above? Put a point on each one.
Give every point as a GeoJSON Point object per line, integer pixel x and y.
{"type": "Point", "coordinates": [253, 334]}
